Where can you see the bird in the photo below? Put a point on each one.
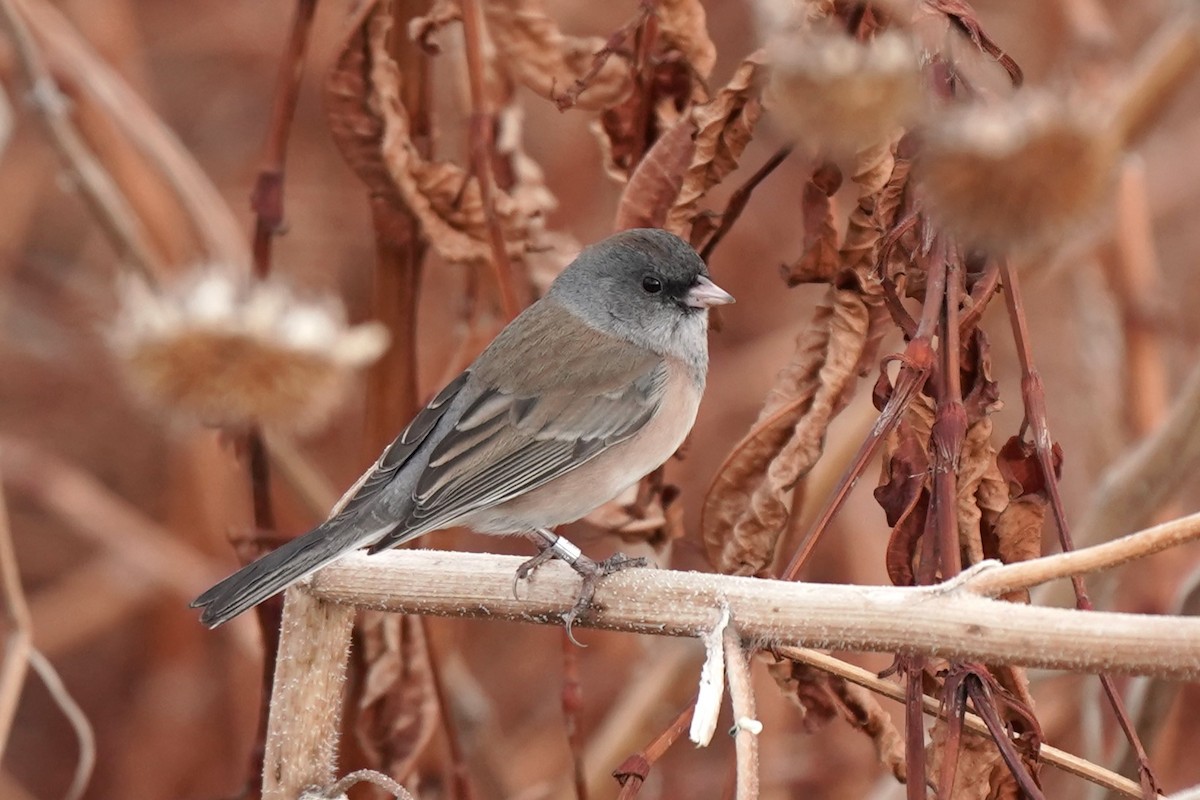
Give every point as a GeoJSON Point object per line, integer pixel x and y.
{"type": "Point", "coordinates": [589, 389]}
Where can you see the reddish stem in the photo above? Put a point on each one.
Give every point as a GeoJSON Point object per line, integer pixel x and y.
{"type": "Point", "coordinates": [482, 145]}
{"type": "Point", "coordinates": [1033, 394]}
{"type": "Point", "coordinates": [949, 427]}
{"type": "Point", "coordinates": [632, 772]}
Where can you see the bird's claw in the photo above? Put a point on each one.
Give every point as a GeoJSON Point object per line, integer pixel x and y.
{"type": "Point", "coordinates": [590, 573]}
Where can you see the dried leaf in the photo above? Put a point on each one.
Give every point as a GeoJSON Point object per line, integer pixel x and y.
{"type": "Point", "coordinates": [723, 129]}
{"type": "Point", "coordinates": [903, 492]}
{"type": "Point", "coordinates": [819, 261]}
{"type": "Point", "coordinates": [655, 183]}
{"type": "Point", "coordinates": [683, 25]}
{"type": "Point", "coordinates": [809, 688]}
{"type": "Point", "coordinates": [629, 128]}
{"type": "Point", "coordinates": [863, 710]}
{"type": "Point", "coordinates": [821, 696]}
{"type": "Point", "coordinates": [981, 773]}
{"type": "Point", "coordinates": [873, 173]}
{"type": "Point", "coordinates": [370, 124]}
{"type": "Point", "coordinates": [543, 58]}
{"type": "Point", "coordinates": [422, 29]}
{"type": "Point", "coordinates": [398, 707]}
{"type": "Point", "coordinates": [746, 509]}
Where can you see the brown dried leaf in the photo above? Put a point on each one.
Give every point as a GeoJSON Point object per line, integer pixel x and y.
{"type": "Point", "coordinates": [723, 129]}
{"type": "Point", "coordinates": [873, 172]}
{"type": "Point", "coordinates": [903, 492]}
{"type": "Point", "coordinates": [863, 710]}
{"type": "Point", "coordinates": [809, 688]}
{"type": "Point", "coordinates": [821, 696]}
{"type": "Point", "coordinates": [655, 183]}
{"type": "Point", "coordinates": [819, 261]}
{"type": "Point", "coordinates": [422, 29]}
{"type": "Point", "coordinates": [543, 58]}
{"type": "Point", "coordinates": [370, 124]}
{"type": "Point", "coordinates": [746, 509]}
{"type": "Point", "coordinates": [977, 460]}
{"type": "Point", "coordinates": [683, 25]}
{"type": "Point", "coordinates": [398, 707]}
{"type": "Point", "coordinates": [629, 128]}
{"type": "Point", "coordinates": [981, 773]}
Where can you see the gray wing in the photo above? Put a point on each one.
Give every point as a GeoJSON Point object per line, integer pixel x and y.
{"type": "Point", "coordinates": [507, 443]}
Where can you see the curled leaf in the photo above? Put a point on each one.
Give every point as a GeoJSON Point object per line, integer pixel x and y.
{"type": "Point", "coordinates": [371, 126]}
{"type": "Point", "coordinates": [683, 25]}
{"type": "Point", "coordinates": [544, 59]}
{"type": "Point", "coordinates": [655, 183]}
{"type": "Point", "coordinates": [819, 261]}
{"type": "Point", "coordinates": [723, 129]}
{"type": "Point", "coordinates": [746, 507]}
{"type": "Point", "coordinates": [398, 707]}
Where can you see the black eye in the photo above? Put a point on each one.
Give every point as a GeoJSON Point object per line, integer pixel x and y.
{"type": "Point", "coordinates": [651, 284]}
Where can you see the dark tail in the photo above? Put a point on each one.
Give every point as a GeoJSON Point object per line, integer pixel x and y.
{"type": "Point", "coordinates": [276, 571]}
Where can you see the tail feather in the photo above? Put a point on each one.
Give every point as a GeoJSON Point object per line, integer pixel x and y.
{"type": "Point", "coordinates": [277, 570]}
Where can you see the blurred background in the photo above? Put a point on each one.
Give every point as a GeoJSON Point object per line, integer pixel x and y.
{"type": "Point", "coordinates": [120, 516]}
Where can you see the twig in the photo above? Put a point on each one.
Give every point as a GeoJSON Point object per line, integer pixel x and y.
{"type": "Point", "coordinates": [746, 726]}
{"type": "Point", "coordinates": [267, 197]}
{"type": "Point", "coordinates": [942, 621]}
{"type": "Point", "coordinates": [1033, 396]}
{"type": "Point", "coordinates": [1059, 759]}
{"type": "Point", "coordinates": [632, 772]}
{"type": "Point", "coordinates": [346, 782]}
{"type": "Point", "coordinates": [84, 735]}
{"type": "Point", "coordinates": [572, 707]}
{"type": "Point", "coordinates": [482, 145]}
{"type": "Point", "coordinates": [739, 199]}
{"type": "Point", "coordinates": [101, 194]}
{"type": "Point", "coordinates": [18, 643]}
{"type": "Point", "coordinates": [1163, 65]}
{"type": "Point", "coordinates": [618, 38]}
{"type": "Point", "coordinates": [72, 59]}
{"type": "Point", "coordinates": [1025, 574]}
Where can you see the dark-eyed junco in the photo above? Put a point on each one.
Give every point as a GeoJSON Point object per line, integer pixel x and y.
{"type": "Point", "coordinates": [589, 389]}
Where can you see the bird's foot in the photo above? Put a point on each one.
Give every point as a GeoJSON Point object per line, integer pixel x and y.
{"type": "Point", "coordinates": [554, 546]}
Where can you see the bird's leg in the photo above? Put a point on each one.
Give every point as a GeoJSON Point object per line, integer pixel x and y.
{"type": "Point", "coordinates": [551, 546]}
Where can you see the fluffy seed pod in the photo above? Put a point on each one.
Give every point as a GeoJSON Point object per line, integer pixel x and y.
{"type": "Point", "coordinates": [841, 95]}
{"type": "Point", "coordinates": [214, 350]}
{"type": "Point", "coordinates": [1019, 173]}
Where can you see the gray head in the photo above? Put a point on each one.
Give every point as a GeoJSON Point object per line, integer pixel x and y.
{"type": "Point", "coordinates": [647, 286]}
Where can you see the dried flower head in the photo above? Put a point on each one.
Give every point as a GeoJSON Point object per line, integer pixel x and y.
{"type": "Point", "coordinates": [225, 353]}
{"type": "Point", "coordinates": [1020, 172]}
{"type": "Point", "coordinates": [842, 95]}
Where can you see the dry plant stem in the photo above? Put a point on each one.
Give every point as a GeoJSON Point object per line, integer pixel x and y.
{"type": "Point", "coordinates": [572, 706]}
{"type": "Point", "coordinates": [267, 203]}
{"type": "Point", "coordinates": [267, 198]}
{"type": "Point", "coordinates": [949, 427]}
{"type": "Point", "coordinates": [1034, 397]}
{"type": "Point", "coordinates": [955, 712]}
{"type": "Point", "coordinates": [991, 582]}
{"type": "Point", "coordinates": [84, 734]}
{"type": "Point", "coordinates": [1134, 281]}
{"type": "Point", "coordinates": [482, 145]}
{"type": "Point", "coordinates": [76, 64]}
{"type": "Point", "coordinates": [739, 199]}
{"type": "Point", "coordinates": [618, 38]}
{"type": "Point", "coordinates": [945, 621]}
{"type": "Point", "coordinates": [914, 730]}
{"type": "Point", "coordinates": [307, 482]}
{"type": "Point", "coordinates": [632, 772]}
{"type": "Point", "coordinates": [1165, 63]}
{"type": "Point", "coordinates": [458, 758]}
{"type": "Point", "coordinates": [101, 194]}
{"type": "Point", "coordinates": [986, 706]}
{"type": "Point", "coordinates": [306, 700]}
{"type": "Point", "coordinates": [741, 697]}
{"type": "Point", "coordinates": [629, 718]}
{"type": "Point", "coordinates": [915, 365]}
{"type": "Point", "coordinates": [18, 642]}
{"type": "Point", "coordinates": [1059, 759]}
